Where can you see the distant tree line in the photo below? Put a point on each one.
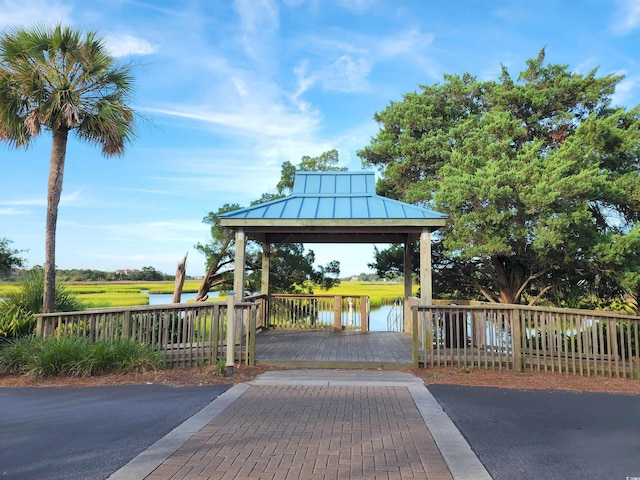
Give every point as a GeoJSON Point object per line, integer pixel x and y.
{"type": "Point", "coordinates": [146, 274]}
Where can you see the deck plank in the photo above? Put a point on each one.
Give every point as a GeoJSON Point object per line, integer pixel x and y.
{"type": "Point", "coordinates": [331, 349]}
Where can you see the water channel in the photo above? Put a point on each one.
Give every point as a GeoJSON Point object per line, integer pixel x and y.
{"type": "Point", "coordinates": [377, 318]}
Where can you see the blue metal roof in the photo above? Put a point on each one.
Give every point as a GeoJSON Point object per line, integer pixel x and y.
{"type": "Point", "coordinates": [334, 195]}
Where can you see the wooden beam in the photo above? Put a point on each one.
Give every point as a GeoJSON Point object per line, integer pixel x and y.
{"type": "Point", "coordinates": [238, 276]}
{"type": "Point", "coordinates": [408, 267]}
{"type": "Point", "coordinates": [384, 223]}
{"type": "Point", "coordinates": [231, 340]}
{"type": "Point", "coordinates": [408, 281]}
{"type": "Point", "coordinates": [426, 284]}
{"type": "Point", "coordinates": [266, 264]}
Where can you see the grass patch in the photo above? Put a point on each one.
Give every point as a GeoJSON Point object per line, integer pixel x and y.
{"type": "Point", "coordinates": [100, 300]}
{"type": "Point", "coordinates": [7, 288]}
{"type": "Point", "coordinates": [74, 356]}
{"type": "Point", "coordinates": [380, 293]}
{"type": "Point", "coordinates": [123, 294]}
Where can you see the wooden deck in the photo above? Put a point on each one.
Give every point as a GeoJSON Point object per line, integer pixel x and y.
{"type": "Point", "coordinates": [333, 349]}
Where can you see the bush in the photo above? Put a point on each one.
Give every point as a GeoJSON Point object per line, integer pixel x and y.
{"type": "Point", "coordinates": [18, 310]}
{"type": "Point", "coordinates": [74, 356]}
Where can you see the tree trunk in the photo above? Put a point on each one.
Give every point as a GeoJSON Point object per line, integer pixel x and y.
{"type": "Point", "coordinates": [508, 291]}
{"type": "Point", "coordinates": [54, 191]}
{"type": "Point", "coordinates": [211, 279]}
{"type": "Point", "coordinates": [179, 282]}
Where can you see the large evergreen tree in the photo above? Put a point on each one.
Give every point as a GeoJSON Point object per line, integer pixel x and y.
{"type": "Point", "coordinates": [62, 81]}
{"type": "Point", "coordinates": [538, 174]}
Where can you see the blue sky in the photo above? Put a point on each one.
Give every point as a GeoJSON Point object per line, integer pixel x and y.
{"type": "Point", "coordinates": [231, 89]}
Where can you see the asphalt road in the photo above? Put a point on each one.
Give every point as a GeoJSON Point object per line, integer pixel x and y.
{"type": "Point", "coordinates": [88, 433]}
{"type": "Point", "coordinates": [521, 435]}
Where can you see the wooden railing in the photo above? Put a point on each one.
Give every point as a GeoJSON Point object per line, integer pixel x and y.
{"type": "Point", "coordinates": [339, 312]}
{"type": "Point", "coordinates": [497, 336]}
{"type": "Point", "coordinates": [188, 334]}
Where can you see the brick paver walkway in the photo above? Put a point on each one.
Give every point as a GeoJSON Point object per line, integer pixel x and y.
{"type": "Point", "coordinates": [311, 432]}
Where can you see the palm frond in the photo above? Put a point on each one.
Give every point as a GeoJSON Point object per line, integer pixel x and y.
{"type": "Point", "coordinates": [59, 78]}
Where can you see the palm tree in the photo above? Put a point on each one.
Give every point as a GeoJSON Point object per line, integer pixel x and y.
{"type": "Point", "coordinates": [58, 80]}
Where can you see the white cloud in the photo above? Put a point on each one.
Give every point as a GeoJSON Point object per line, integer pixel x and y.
{"type": "Point", "coordinates": [66, 199]}
{"type": "Point", "coordinates": [586, 65]}
{"type": "Point", "coordinates": [259, 20]}
{"type": "Point", "coordinates": [626, 17]}
{"type": "Point", "coordinates": [153, 231]}
{"type": "Point", "coordinates": [124, 44]}
{"type": "Point", "coordinates": [29, 12]}
{"type": "Point", "coordinates": [346, 65]}
{"type": "Point", "coordinates": [626, 90]}
{"type": "Point", "coordinates": [274, 121]}
{"type": "Point", "coordinates": [406, 42]}
{"type": "Point", "coordinates": [357, 6]}
{"type": "Point", "coordinates": [304, 83]}
{"type": "Point", "coordinates": [33, 202]}
{"type": "Point", "coordinates": [346, 74]}
{"type": "Point", "coordinates": [13, 211]}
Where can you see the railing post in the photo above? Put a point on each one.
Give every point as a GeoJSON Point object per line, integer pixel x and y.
{"type": "Point", "coordinates": [516, 339]}
{"type": "Point", "coordinates": [416, 336]}
{"type": "Point", "coordinates": [252, 335]}
{"type": "Point", "coordinates": [364, 314]}
{"type": "Point", "coordinates": [337, 312]}
{"type": "Point", "coordinates": [39, 330]}
{"type": "Point", "coordinates": [231, 337]}
{"type": "Point", "coordinates": [126, 325]}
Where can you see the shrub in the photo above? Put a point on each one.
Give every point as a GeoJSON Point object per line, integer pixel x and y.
{"type": "Point", "coordinates": [18, 310]}
{"type": "Point", "coordinates": [74, 356]}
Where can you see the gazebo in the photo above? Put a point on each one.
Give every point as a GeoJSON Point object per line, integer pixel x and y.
{"type": "Point", "coordinates": [335, 207]}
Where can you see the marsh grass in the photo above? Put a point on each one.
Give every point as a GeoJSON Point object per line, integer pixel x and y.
{"type": "Point", "coordinates": [380, 293]}
{"type": "Point", "coordinates": [7, 288]}
{"type": "Point", "coordinates": [122, 294]}
{"type": "Point", "coordinates": [74, 356]}
{"type": "Point", "coordinates": [118, 294]}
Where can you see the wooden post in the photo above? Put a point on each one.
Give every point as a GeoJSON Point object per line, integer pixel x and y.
{"type": "Point", "coordinates": [238, 276]}
{"type": "Point", "coordinates": [516, 339]}
{"type": "Point", "coordinates": [426, 285]}
{"type": "Point", "coordinates": [264, 282]}
{"type": "Point", "coordinates": [126, 324]}
{"type": "Point", "coordinates": [416, 337]}
{"type": "Point", "coordinates": [252, 335]}
{"type": "Point", "coordinates": [337, 312]}
{"type": "Point", "coordinates": [364, 314]}
{"type": "Point", "coordinates": [39, 326]}
{"type": "Point", "coordinates": [231, 338]}
{"type": "Point", "coordinates": [266, 260]}
{"type": "Point", "coordinates": [408, 281]}
{"type": "Point", "coordinates": [408, 269]}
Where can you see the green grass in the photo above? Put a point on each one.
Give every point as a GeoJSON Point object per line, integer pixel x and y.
{"type": "Point", "coordinates": [7, 288]}
{"type": "Point", "coordinates": [123, 294]}
{"type": "Point", "coordinates": [380, 293]}
{"type": "Point", "coordinates": [74, 356]}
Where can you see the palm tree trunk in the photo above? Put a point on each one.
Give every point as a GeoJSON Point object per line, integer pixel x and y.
{"type": "Point", "coordinates": [54, 191]}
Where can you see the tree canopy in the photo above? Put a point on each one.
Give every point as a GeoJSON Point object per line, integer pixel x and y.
{"type": "Point", "coordinates": [539, 175]}
{"type": "Point", "coordinates": [9, 258]}
{"type": "Point", "coordinates": [60, 80]}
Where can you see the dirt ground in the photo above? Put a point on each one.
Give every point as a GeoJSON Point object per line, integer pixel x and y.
{"type": "Point", "coordinates": [243, 373]}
